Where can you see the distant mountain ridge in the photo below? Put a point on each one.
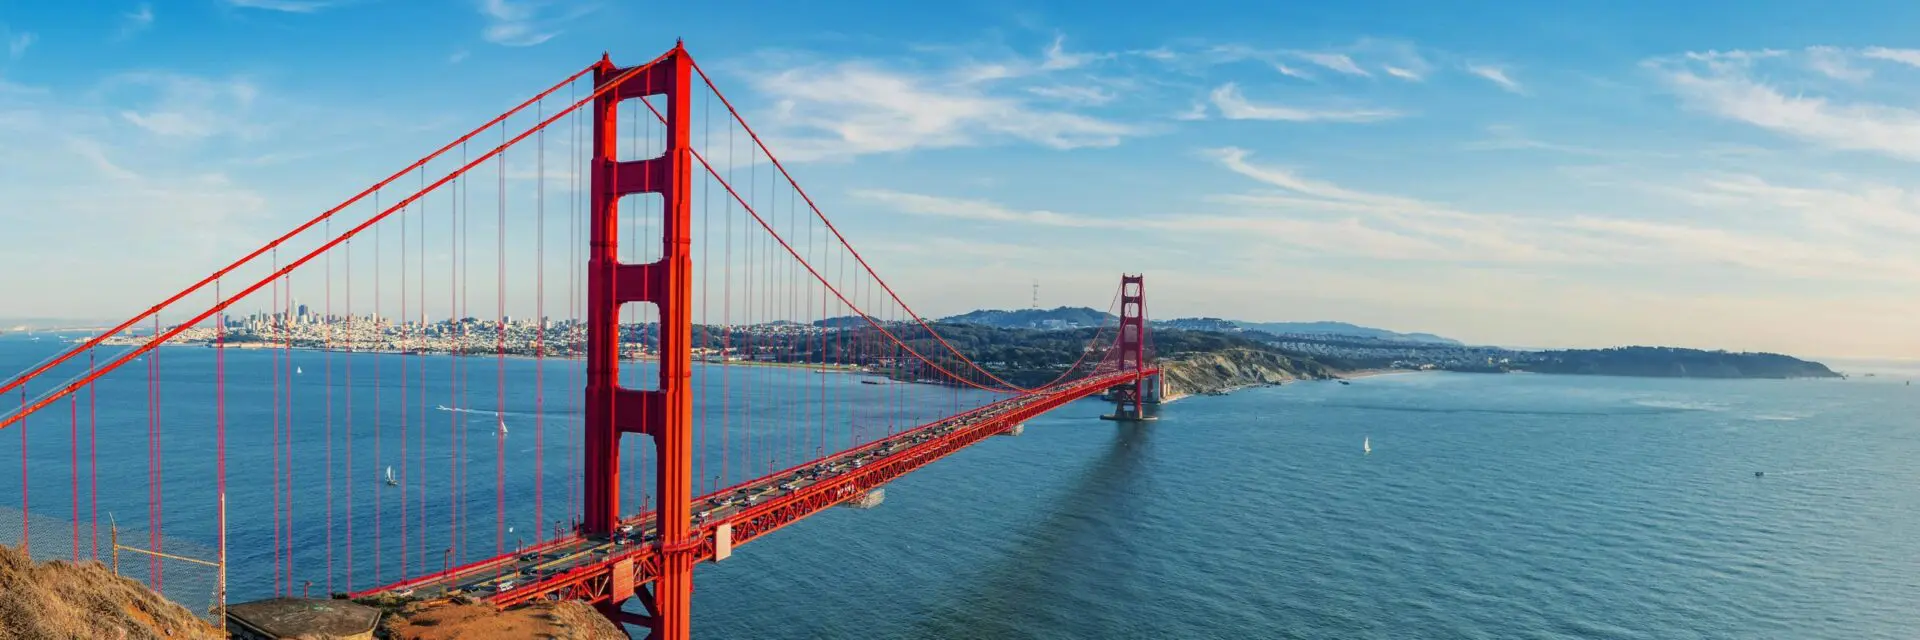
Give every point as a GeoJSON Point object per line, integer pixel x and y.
{"type": "Point", "coordinates": [1072, 317]}
{"type": "Point", "coordinates": [1321, 328]}
{"type": "Point", "coordinates": [1328, 327]}
{"type": "Point", "coordinates": [1055, 318]}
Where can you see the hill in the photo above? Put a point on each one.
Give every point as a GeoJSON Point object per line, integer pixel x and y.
{"type": "Point", "coordinates": [1322, 328]}
{"type": "Point", "coordinates": [1330, 328]}
{"type": "Point", "coordinates": [1056, 318]}
{"type": "Point", "coordinates": [61, 599]}
{"type": "Point", "coordinates": [1074, 317]}
{"type": "Point", "coordinates": [1672, 362]}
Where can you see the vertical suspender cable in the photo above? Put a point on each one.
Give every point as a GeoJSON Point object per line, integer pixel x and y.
{"type": "Point", "coordinates": [500, 357]}
{"type": "Point", "coordinates": [348, 249]}
{"type": "Point", "coordinates": [327, 341]}
{"type": "Point", "coordinates": [374, 328]}
{"type": "Point", "coordinates": [540, 328]}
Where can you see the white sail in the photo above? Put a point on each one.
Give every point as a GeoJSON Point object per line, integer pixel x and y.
{"type": "Point", "coordinates": [1366, 445]}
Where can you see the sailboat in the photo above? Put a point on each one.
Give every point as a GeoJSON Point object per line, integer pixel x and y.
{"type": "Point", "coordinates": [1366, 445]}
{"type": "Point", "coordinates": [390, 480]}
{"type": "Point", "coordinates": [503, 426]}
{"type": "Point", "coordinates": [297, 371]}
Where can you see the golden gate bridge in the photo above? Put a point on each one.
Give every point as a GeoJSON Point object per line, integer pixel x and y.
{"type": "Point", "coordinates": [688, 266]}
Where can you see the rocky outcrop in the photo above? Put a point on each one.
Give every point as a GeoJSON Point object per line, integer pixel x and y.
{"type": "Point", "coordinates": [444, 620]}
{"type": "Point", "coordinates": [1226, 370]}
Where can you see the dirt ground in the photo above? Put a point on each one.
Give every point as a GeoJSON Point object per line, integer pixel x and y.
{"type": "Point", "coordinates": [86, 601]}
{"type": "Point", "coordinates": [443, 620]}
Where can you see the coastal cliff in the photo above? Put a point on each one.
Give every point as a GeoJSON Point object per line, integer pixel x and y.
{"type": "Point", "coordinates": [1229, 369]}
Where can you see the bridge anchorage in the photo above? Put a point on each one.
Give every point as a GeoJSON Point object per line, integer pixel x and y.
{"type": "Point", "coordinates": [768, 370]}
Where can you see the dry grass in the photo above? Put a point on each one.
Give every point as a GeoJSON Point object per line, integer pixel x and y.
{"type": "Point", "coordinates": [443, 620]}
{"type": "Point", "coordinates": [86, 601]}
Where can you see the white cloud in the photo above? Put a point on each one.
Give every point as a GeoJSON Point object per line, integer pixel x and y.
{"type": "Point", "coordinates": [1334, 61]}
{"type": "Point", "coordinates": [1835, 63]}
{"type": "Point", "coordinates": [290, 6]}
{"type": "Point", "coordinates": [1728, 85]}
{"type": "Point", "coordinates": [1497, 76]}
{"type": "Point", "coordinates": [458, 56]}
{"type": "Point", "coordinates": [1598, 240]}
{"type": "Point", "coordinates": [1162, 54]}
{"type": "Point", "coordinates": [135, 21]}
{"type": "Point", "coordinates": [979, 210]}
{"type": "Point", "coordinates": [1403, 74]}
{"type": "Point", "coordinates": [1056, 58]}
{"type": "Point", "coordinates": [17, 43]}
{"type": "Point", "coordinates": [1196, 112]}
{"type": "Point", "coordinates": [845, 109]}
{"type": "Point", "coordinates": [1291, 72]}
{"type": "Point", "coordinates": [188, 107]}
{"type": "Point", "coordinates": [1910, 57]}
{"type": "Point", "coordinates": [1076, 94]}
{"type": "Point", "coordinates": [525, 23]}
{"type": "Point", "coordinates": [1234, 106]}
{"type": "Point", "coordinates": [1362, 58]}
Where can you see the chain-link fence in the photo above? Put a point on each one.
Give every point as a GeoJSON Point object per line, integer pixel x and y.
{"type": "Point", "coordinates": [189, 577]}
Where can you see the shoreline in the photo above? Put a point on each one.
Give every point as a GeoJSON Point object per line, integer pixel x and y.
{"type": "Point", "coordinates": [817, 368]}
{"type": "Point", "coordinates": [1369, 373]}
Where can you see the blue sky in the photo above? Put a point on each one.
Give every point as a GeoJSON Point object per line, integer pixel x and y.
{"type": "Point", "coordinates": [1723, 174]}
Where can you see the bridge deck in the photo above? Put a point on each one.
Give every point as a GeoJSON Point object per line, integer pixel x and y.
{"type": "Point", "coordinates": [603, 568]}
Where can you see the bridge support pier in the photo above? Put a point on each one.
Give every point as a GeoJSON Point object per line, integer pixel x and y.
{"type": "Point", "coordinates": [1123, 414]}
{"type": "Point", "coordinates": [872, 498]}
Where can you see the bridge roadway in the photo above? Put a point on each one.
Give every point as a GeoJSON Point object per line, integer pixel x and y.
{"type": "Point", "coordinates": [601, 569]}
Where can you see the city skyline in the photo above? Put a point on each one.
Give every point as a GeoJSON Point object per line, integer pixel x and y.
{"type": "Point", "coordinates": [1589, 174]}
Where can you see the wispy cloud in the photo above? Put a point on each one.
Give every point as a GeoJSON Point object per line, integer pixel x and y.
{"type": "Point", "coordinates": [1077, 94]}
{"type": "Point", "coordinates": [458, 56]}
{"type": "Point", "coordinates": [525, 23]}
{"type": "Point", "coordinates": [290, 6]}
{"type": "Point", "coordinates": [1502, 137]}
{"type": "Point", "coordinates": [1596, 240]}
{"type": "Point", "coordinates": [136, 21]}
{"type": "Point", "coordinates": [1234, 106]}
{"type": "Point", "coordinates": [1056, 57]}
{"type": "Point", "coordinates": [1730, 85]}
{"type": "Point", "coordinates": [843, 109]}
{"type": "Point", "coordinates": [1496, 75]}
{"type": "Point", "coordinates": [188, 107]}
{"type": "Point", "coordinates": [979, 210]}
{"type": "Point", "coordinates": [1291, 72]}
{"type": "Point", "coordinates": [17, 43]}
{"type": "Point", "coordinates": [1910, 57]}
{"type": "Point", "coordinates": [1835, 63]}
{"type": "Point", "coordinates": [1403, 74]}
{"type": "Point", "coordinates": [1334, 61]}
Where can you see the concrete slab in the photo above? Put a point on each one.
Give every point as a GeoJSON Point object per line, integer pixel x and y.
{"type": "Point", "coordinates": [277, 618]}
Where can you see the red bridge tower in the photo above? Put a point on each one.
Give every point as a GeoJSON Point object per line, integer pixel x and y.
{"type": "Point", "coordinates": [664, 414]}
{"type": "Point", "coordinates": [1129, 398]}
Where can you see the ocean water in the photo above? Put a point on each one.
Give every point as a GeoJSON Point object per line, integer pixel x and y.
{"type": "Point", "coordinates": [1515, 506]}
